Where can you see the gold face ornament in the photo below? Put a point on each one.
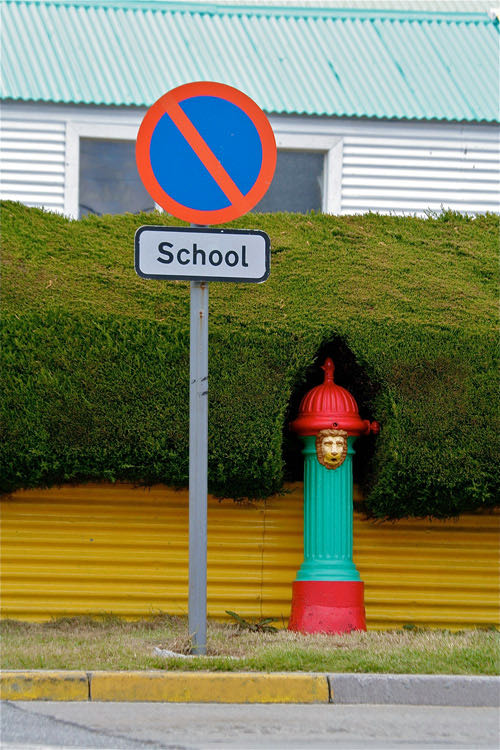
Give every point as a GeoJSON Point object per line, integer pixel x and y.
{"type": "Point", "coordinates": [331, 448]}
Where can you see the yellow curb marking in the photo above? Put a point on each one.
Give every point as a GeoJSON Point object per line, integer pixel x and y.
{"type": "Point", "coordinates": [174, 687]}
{"type": "Point", "coordinates": [203, 687]}
{"type": "Point", "coordinates": [44, 686]}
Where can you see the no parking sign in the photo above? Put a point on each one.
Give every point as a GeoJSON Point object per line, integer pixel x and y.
{"type": "Point", "coordinates": [206, 152]}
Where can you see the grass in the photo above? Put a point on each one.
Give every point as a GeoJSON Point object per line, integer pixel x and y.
{"type": "Point", "coordinates": [111, 643]}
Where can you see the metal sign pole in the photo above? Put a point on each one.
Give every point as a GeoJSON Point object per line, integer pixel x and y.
{"type": "Point", "coordinates": [248, 142]}
{"type": "Point", "coordinates": [198, 464]}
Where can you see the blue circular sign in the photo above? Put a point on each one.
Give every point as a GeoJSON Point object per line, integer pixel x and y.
{"type": "Point", "coordinates": [206, 152]}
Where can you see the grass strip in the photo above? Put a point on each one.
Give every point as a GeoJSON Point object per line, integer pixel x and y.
{"type": "Point", "coordinates": [111, 643]}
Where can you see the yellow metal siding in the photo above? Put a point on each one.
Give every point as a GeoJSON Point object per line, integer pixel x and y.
{"type": "Point", "coordinates": [115, 548]}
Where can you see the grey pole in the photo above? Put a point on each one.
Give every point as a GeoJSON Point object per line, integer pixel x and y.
{"type": "Point", "coordinates": [198, 460]}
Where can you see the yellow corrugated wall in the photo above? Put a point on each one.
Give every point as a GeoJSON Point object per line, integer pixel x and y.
{"type": "Point", "coordinates": [113, 548]}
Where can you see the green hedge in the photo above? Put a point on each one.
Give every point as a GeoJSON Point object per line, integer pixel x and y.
{"type": "Point", "coordinates": [95, 360]}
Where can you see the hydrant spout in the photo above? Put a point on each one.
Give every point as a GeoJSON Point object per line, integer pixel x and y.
{"type": "Point", "coordinates": [370, 428]}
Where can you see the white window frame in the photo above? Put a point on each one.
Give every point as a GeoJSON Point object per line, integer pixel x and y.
{"type": "Point", "coordinates": [332, 148]}
{"type": "Point", "coordinates": [98, 131]}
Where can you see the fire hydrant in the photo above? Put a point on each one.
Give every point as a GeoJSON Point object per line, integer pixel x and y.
{"type": "Point", "coordinates": [328, 594]}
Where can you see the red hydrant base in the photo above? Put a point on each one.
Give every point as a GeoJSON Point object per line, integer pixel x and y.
{"type": "Point", "coordinates": [327, 607]}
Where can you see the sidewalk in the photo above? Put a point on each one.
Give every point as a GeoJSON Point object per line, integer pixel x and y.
{"type": "Point", "coordinates": [250, 687]}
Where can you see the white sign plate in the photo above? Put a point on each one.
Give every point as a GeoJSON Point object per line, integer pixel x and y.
{"type": "Point", "coordinates": [202, 254]}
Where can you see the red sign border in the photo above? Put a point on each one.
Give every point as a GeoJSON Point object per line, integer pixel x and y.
{"type": "Point", "coordinates": [258, 118]}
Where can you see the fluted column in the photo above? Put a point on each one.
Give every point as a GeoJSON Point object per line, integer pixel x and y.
{"type": "Point", "coordinates": [328, 516]}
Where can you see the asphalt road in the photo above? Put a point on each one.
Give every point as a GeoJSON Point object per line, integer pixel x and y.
{"type": "Point", "coordinates": [29, 725]}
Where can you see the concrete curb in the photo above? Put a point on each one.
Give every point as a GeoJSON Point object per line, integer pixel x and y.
{"type": "Point", "coordinates": [249, 687]}
{"type": "Point", "coordinates": [420, 690]}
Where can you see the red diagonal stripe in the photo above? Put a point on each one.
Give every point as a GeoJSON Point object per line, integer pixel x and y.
{"type": "Point", "coordinates": [202, 150]}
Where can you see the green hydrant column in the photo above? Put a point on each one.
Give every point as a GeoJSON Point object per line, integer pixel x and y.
{"type": "Point", "coordinates": [328, 516]}
{"type": "Point", "coordinates": [328, 594]}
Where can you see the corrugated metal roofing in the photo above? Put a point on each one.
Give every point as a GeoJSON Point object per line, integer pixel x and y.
{"type": "Point", "coordinates": [114, 548]}
{"type": "Point", "coordinates": [355, 63]}
{"type": "Point", "coordinates": [463, 6]}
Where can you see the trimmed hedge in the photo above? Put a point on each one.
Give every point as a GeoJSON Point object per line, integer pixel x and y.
{"type": "Point", "coordinates": [96, 360]}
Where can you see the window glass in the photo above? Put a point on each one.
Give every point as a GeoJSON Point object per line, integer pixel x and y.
{"type": "Point", "coordinates": [297, 184]}
{"type": "Point", "coordinates": [109, 181]}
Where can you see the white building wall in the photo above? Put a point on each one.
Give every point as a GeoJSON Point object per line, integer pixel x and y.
{"type": "Point", "coordinates": [408, 167]}
{"type": "Point", "coordinates": [417, 167]}
{"type": "Point", "coordinates": [382, 166]}
{"type": "Point", "coordinates": [32, 159]}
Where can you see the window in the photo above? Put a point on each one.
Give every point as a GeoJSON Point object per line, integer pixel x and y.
{"type": "Point", "coordinates": [109, 182]}
{"type": "Point", "coordinates": [102, 177]}
{"type": "Point", "coordinates": [297, 184]}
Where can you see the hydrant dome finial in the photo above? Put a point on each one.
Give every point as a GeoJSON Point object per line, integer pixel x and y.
{"type": "Point", "coordinates": [329, 369]}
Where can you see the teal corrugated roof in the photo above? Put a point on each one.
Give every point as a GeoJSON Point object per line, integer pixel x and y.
{"type": "Point", "coordinates": [323, 61]}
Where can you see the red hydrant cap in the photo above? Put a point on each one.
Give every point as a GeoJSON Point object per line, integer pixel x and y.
{"type": "Point", "coordinates": [330, 406]}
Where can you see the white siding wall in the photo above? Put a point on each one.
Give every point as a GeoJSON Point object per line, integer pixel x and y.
{"type": "Point", "coordinates": [416, 168]}
{"type": "Point", "coordinates": [32, 161]}
{"type": "Point", "coordinates": [408, 167]}
{"type": "Point", "coordinates": [388, 167]}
